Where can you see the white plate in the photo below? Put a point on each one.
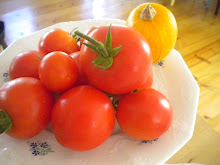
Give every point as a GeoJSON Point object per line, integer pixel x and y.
{"type": "Point", "coordinates": [171, 76]}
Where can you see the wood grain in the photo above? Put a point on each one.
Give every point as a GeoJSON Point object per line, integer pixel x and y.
{"type": "Point", "coordinates": [203, 148]}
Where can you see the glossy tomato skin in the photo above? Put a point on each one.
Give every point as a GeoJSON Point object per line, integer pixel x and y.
{"type": "Point", "coordinates": [82, 79]}
{"type": "Point", "coordinates": [83, 118]}
{"type": "Point", "coordinates": [25, 64]}
{"type": "Point", "coordinates": [29, 105]}
{"type": "Point", "coordinates": [130, 67]}
{"type": "Point", "coordinates": [145, 115]}
{"type": "Point", "coordinates": [57, 40]}
{"type": "Point", "coordinates": [58, 71]}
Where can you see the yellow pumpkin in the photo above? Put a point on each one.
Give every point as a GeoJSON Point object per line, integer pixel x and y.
{"type": "Point", "coordinates": [158, 25]}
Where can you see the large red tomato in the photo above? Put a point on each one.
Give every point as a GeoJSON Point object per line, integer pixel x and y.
{"type": "Point", "coordinates": [26, 106]}
{"type": "Point", "coordinates": [83, 118]}
{"type": "Point", "coordinates": [58, 71]}
{"type": "Point", "coordinates": [145, 115]}
{"type": "Point", "coordinates": [57, 40]}
{"type": "Point", "coordinates": [25, 64]}
{"type": "Point", "coordinates": [129, 68]}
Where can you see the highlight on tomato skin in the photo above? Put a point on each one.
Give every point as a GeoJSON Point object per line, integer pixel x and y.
{"type": "Point", "coordinates": [144, 115]}
{"type": "Point", "coordinates": [83, 118]}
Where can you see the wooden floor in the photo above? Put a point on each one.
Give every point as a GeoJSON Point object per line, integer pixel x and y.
{"type": "Point", "coordinates": [198, 34]}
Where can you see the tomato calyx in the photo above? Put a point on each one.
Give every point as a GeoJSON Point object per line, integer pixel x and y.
{"type": "Point", "coordinates": [5, 122]}
{"type": "Point", "coordinates": [114, 100]}
{"type": "Point", "coordinates": [105, 51]}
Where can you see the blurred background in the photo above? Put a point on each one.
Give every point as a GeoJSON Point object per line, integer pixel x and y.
{"type": "Point", "coordinates": [198, 34]}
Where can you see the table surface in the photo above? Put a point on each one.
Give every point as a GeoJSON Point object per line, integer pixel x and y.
{"type": "Point", "coordinates": [198, 41]}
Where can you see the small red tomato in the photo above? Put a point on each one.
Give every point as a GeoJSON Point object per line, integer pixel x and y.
{"type": "Point", "coordinates": [57, 40]}
{"type": "Point", "coordinates": [145, 115]}
{"type": "Point", "coordinates": [58, 71]}
{"type": "Point", "coordinates": [26, 106]}
{"type": "Point", "coordinates": [83, 118]}
{"type": "Point", "coordinates": [82, 79]}
{"type": "Point", "coordinates": [25, 64]}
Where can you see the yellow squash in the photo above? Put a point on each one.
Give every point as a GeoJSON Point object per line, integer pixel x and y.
{"type": "Point", "coordinates": [158, 25]}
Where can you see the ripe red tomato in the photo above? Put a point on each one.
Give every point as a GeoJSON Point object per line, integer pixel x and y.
{"type": "Point", "coordinates": [58, 71]}
{"type": "Point", "coordinates": [144, 115]}
{"type": "Point", "coordinates": [25, 64]}
{"type": "Point", "coordinates": [82, 79]}
{"type": "Point", "coordinates": [130, 66]}
{"type": "Point", "coordinates": [57, 40]}
{"type": "Point", "coordinates": [83, 118]}
{"type": "Point", "coordinates": [28, 104]}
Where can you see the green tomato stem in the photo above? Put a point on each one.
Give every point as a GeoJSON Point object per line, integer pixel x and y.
{"type": "Point", "coordinates": [5, 122]}
{"type": "Point", "coordinates": [99, 46]}
{"type": "Point", "coordinates": [104, 51]}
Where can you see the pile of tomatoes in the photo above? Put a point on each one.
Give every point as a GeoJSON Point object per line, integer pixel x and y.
{"type": "Point", "coordinates": [82, 88]}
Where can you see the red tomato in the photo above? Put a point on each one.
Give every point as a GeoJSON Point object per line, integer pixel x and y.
{"type": "Point", "coordinates": [82, 79]}
{"type": "Point", "coordinates": [58, 71]}
{"type": "Point", "coordinates": [25, 64]}
{"type": "Point", "coordinates": [144, 115]}
{"type": "Point", "coordinates": [57, 40]}
{"type": "Point", "coordinates": [28, 104]}
{"type": "Point", "coordinates": [130, 67]}
{"type": "Point", "coordinates": [148, 83]}
{"type": "Point", "coordinates": [83, 118]}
